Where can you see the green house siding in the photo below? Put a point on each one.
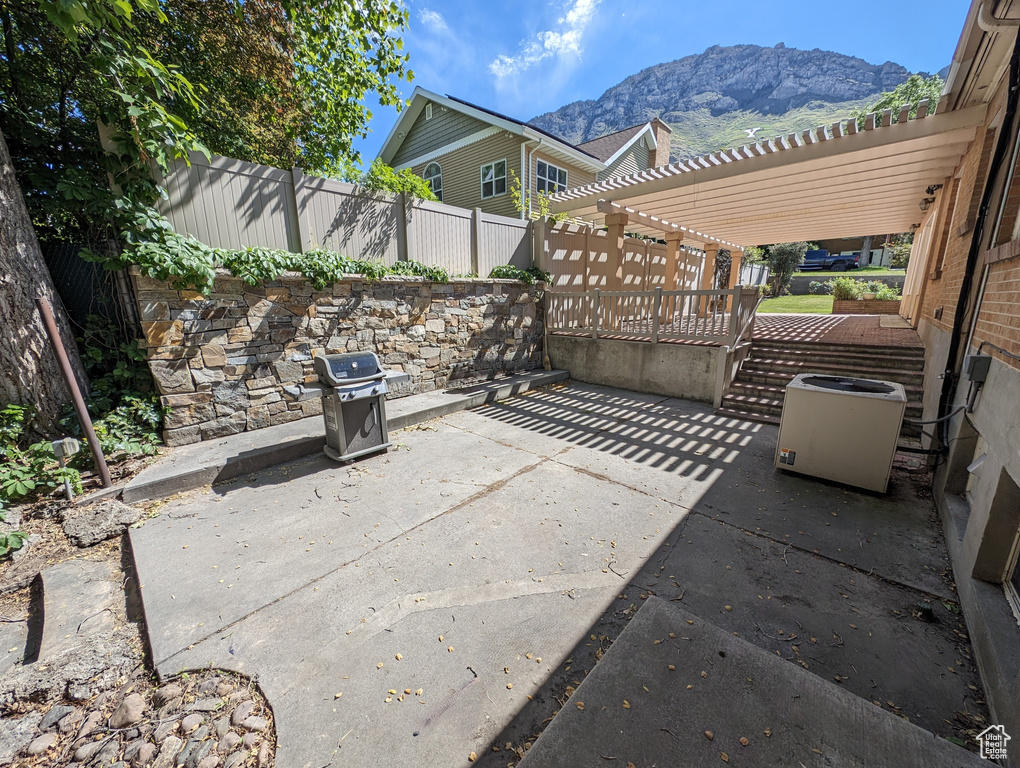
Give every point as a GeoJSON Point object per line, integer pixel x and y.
{"type": "Point", "coordinates": [462, 167]}
{"type": "Point", "coordinates": [576, 177]}
{"type": "Point", "coordinates": [444, 128]}
{"type": "Point", "coordinates": [636, 158]}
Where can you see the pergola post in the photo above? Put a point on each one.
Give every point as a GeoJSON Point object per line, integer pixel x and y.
{"type": "Point", "coordinates": [615, 223]}
{"type": "Point", "coordinates": [674, 253]}
{"type": "Point", "coordinates": [707, 277]}
{"type": "Point", "coordinates": [735, 258]}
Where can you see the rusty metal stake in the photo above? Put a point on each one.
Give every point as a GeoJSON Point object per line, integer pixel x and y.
{"type": "Point", "coordinates": [72, 385]}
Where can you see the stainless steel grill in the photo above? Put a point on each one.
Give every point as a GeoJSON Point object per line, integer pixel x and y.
{"type": "Point", "coordinates": [354, 403]}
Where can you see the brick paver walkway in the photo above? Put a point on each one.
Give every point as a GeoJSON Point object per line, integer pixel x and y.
{"type": "Point", "coordinates": [852, 330]}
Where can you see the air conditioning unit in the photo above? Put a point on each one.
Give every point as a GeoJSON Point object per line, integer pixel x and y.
{"type": "Point", "coordinates": [841, 429]}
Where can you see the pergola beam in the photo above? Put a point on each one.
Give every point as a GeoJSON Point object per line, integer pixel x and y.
{"type": "Point", "coordinates": [641, 219]}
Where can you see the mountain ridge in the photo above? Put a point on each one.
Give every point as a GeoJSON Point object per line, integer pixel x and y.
{"type": "Point", "coordinates": [711, 99]}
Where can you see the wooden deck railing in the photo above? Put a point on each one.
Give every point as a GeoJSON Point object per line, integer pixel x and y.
{"type": "Point", "coordinates": [716, 316]}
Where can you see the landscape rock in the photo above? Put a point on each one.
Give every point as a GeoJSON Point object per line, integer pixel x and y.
{"type": "Point", "coordinates": [221, 726]}
{"type": "Point", "coordinates": [108, 753]}
{"type": "Point", "coordinates": [205, 705]}
{"type": "Point", "coordinates": [228, 742]}
{"type": "Point", "coordinates": [164, 729]}
{"type": "Point", "coordinates": [166, 694]}
{"type": "Point", "coordinates": [168, 752]}
{"type": "Point", "coordinates": [87, 751]}
{"type": "Point", "coordinates": [257, 724]}
{"type": "Point", "coordinates": [210, 761]}
{"type": "Point", "coordinates": [234, 759]}
{"type": "Point", "coordinates": [101, 522]}
{"type": "Point", "coordinates": [81, 672]}
{"type": "Point", "coordinates": [17, 734]}
{"type": "Point", "coordinates": [41, 743]}
{"type": "Point", "coordinates": [129, 712]}
{"type": "Point", "coordinates": [144, 754]}
{"type": "Point", "coordinates": [91, 721]}
{"type": "Point", "coordinates": [190, 723]}
{"type": "Point", "coordinates": [249, 740]}
{"type": "Point", "coordinates": [242, 711]}
{"type": "Point", "coordinates": [57, 713]}
{"type": "Point", "coordinates": [263, 758]}
{"type": "Point", "coordinates": [198, 754]}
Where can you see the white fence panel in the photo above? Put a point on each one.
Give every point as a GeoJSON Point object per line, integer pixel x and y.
{"type": "Point", "coordinates": [502, 240]}
{"type": "Point", "coordinates": [440, 235]}
{"type": "Point", "coordinates": [754, 274]}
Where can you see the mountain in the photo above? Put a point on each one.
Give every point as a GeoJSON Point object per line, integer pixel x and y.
{"type": "Point", "coordinates": [711, 99]}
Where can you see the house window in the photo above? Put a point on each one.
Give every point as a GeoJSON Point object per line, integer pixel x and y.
{"type": "Point", "coordinates": [550, 178]}
{"type": "Point", "coordinates": [428, 111]}
{"type": "Point", "coordinates": [494, 179]}
{"type": "Point", "coordinates": [434, 176]}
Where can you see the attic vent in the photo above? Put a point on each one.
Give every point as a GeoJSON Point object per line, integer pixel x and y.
{"type": "Point", "coordinates": [428, 111]}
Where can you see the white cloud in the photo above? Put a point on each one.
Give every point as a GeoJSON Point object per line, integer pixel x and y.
{"type": "Point", "coordinates": [432, 19]}
{"type": "Point", "coordinates": [565, 39]}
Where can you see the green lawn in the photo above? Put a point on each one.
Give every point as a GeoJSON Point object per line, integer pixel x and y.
{"type": "Point", "coordinates": [815, 305]}
{"type": "Point", "coordinates": [866, 272]}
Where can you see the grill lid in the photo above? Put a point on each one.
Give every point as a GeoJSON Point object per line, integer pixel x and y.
{"type": "Point", "coordinates": [347, 368]}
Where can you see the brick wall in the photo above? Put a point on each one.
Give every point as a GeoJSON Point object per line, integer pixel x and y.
{"type": "Point", "coordinates": [222, 362]}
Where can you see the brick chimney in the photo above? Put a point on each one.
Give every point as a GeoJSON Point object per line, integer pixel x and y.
{"type": "Point", "coordinates": [662, 134]}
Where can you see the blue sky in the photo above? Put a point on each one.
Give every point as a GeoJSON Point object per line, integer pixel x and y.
{"type": "Point", "coordinates": [527, 57]}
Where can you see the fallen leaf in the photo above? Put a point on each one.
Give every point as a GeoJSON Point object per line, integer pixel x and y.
{"type": "Point", "coordinates": [709, 735]}
{"type": "Point", "coordinates": [389, 699]}
{"type": "Point", "coordinates": [338, 695]}
{"type": "Point", "coordinates": [450, 649]}
{"type": "Point", "coordinates": [440, 638]}
{"type": "Point", "coordinates": [728, 608]}
{"type": "Point", "coordinates": [704, 674]}
{"type": "Point", "coordinates": [626, 704]}
{"type": "Point", "coordinates": [689, 687]}
{"type": "Point", "coordinates": [744, 741]}
{"type": "Point", "coordinates": [398, 657]}
{"type": "Point", "coordinates": [379, 665]}
{"type": "Point", "coordinates": [392, 691]}
{"type": "Point", "coordinates": [767, 732]}
{"type": "Point", "coordinates": [418, 692]}
{"type": "Point", "coordinates": [580, 705]}
{"type": "Point", "coordinates": [472, 757]}
{"type": "Point", "coordinates": [724, 757]}
{"type": "Point", "coordinates": [529, 656]}
{"type": "Point", "coordinates": [671, 667]}
{"type": "Point", "coordinates": [509, 686]}
{"type": "Point", "coordinates": [689, 621]}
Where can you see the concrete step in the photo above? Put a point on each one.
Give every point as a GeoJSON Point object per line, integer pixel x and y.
{"type": "Point", "coordinates": [754, 389]}
{"type": "Point", "coordinates": [80, 598]}
{"type": "Point", "coordinates": [774, 405]}
{"type": "Point", "coordinates": [861, 359]}
{"type": "Point", "coordinates": [681, 676]}
{"type": "Point", "coordinates": [774, 380]}
{"type": "Point", "coordinates": [874, 350]}
{"type": "Point", "coordinates": [793, 368]}
{"type": "Point", "coordinates": [193, 466]}
{"type": "Point", "coordinates": [747, 415]}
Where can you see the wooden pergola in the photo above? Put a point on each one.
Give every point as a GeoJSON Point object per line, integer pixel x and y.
{"type": "Point", "coordinates": [855, 177]}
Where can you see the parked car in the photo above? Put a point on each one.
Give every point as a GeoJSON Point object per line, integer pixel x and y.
{"type": "Point", "coordinates": [822, 259]}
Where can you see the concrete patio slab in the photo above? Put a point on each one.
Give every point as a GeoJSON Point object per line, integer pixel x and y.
{"type": "Point", "coordinates": [199, 464]}
{"type": "Point", "coordinates": [675, 690]}
{"type": "Point", "coordinates": [511, 530]}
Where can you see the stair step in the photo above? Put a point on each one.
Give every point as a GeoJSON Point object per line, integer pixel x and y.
{"type": "Point", "coordinates": [855, 359]}
{"type": "Point", "coordinates": [756, 365]}
{"type": "Point", "coordinates": [747, 416]}
{"type": "Point", "coordinates": [775, 385]}
{"type": "Point", "coordinates": [875, 350]}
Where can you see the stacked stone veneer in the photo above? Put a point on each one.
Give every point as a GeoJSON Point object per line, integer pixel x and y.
{"type": "Point", "coordinates": [228, 362]}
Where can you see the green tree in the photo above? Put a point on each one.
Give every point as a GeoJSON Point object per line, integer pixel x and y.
{"type": "Point", "coordinates": [911, 91]}
{"type": "Point", "coordinates": [783, 259]}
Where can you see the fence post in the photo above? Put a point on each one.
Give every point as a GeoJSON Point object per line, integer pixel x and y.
{"type": "Point", "coordinates": [655, 314]}
{"type": "Point", "coordinates": [403, 229]}
{"type": "Point", "coordinates": [595, 314]}
{"type": "Point", "coordinates": [733, 296]}
{"type": "Point", "coordinates": [539, 243]}
{"type": "Point", "coordinates": [304, 235]}
{"type": "Point", "coordinates": [476, 234]}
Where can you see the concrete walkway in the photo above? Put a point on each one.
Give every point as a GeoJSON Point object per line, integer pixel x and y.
{"type": "Point", "coordinates": [446, 597]}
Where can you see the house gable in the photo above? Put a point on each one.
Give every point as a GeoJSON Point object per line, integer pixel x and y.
{"type": "Point", "coordinates": [445, 127]}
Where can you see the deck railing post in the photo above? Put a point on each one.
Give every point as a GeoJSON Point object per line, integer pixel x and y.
{"type": "Point", "coordinates": [595, 314]}
{"type": "Point", "coordinates": [656, 309]}
{"type": "Point", "coordinates": [734, 315]}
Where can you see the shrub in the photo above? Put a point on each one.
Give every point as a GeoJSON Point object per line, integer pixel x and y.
{"type": "Point", "coordinates": [845, 288]}
{"type": "Point", "coordinates": [530, 275]}
{"type": "Point", "coordinates": [435, 274]}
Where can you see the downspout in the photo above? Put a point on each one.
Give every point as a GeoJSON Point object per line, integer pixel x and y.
{"type": "Point", "coordinates": [531, 155]}
{"type": "Point", "coordinates": [950, 377]}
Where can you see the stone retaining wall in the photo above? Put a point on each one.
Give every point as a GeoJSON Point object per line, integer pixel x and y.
{"type": "Point", "coordinates": [230, 361]}
{"type": "Point", "coordinates": [866, 307]}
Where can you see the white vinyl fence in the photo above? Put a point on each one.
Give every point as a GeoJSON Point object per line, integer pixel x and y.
{"type": "Point", "coordinates": [227, 203]}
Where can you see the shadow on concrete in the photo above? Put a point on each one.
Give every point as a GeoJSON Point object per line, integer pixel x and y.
{"type": "Point", "coordinates": [790, 585]}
